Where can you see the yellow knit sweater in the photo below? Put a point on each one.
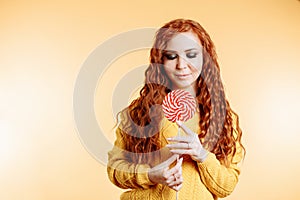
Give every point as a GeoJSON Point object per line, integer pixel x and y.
{"type": "Point", "coordinates": [206, 181]}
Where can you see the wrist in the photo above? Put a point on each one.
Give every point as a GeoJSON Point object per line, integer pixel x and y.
{"type": "Point", "coordinates": [203, 155]}
{"type": "Point", "coordinates": [150, 177]}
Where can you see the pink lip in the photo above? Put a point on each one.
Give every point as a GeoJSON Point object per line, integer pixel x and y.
{"type": "Point", "coordinates": [182, 75]}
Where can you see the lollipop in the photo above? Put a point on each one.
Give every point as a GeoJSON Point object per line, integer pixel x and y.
{"type": "Point", "coordinates": [179, 105]}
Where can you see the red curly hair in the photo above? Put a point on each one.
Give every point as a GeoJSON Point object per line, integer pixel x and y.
{"type": "Point", "coordinates": [219, 124]}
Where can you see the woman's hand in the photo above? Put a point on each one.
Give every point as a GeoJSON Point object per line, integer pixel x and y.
{"type": "Point", "coordinates": [171, 177]}
{"type": "Point", "coordinates": [189, 144]}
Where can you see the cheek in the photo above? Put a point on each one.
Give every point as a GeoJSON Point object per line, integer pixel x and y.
{"type": "Point", "coordinates": [197, 64]}
{"type": "Point", "coordinates": [169, 65]}
{"type": "Point", "coordinates": [168, 71]}
{"type": "Point", "coordinates": [196, 67]}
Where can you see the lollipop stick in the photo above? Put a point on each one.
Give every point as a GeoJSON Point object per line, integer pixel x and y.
{"type": "Point", "coordinates": [178, 134]}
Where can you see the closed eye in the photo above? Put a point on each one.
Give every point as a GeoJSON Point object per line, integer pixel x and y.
{"type": "Point", "coordinates": [171, 56]}
{"type": "Point", "coordinates": [192, 54]}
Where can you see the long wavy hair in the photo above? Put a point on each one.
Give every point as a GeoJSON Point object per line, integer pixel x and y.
{"type": "Point", "coordinates": [219, 124]}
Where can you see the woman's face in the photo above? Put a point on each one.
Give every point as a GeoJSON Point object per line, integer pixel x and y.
{"type": "Point", "coordinates": [183, 61]}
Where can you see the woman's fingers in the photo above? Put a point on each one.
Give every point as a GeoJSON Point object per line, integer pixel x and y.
{"type": "Point", "coordinates": [176, 182]}
{"type": "Point", "coordinates": [165, 164]}
{"type": "Point", "coordinates": [176, 168]}
{"type": "Point", "coordinates": [175, 179]}
{"type": "Point", "coordinates": [168, 174]}
{"type": "Point", "coordinates": [182, 151]}
{"type": "Point", "coordinates": [189, 145]}
{"type": "Point", "coordinates": [179, 139]}
{"type": "Point", "coordinates": [172, 177]}
{"type": "Point", "coordinates": [177, 187]}
{"type": "Point", "coordinates": [181, 145]}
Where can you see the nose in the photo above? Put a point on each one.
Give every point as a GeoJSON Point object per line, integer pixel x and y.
{"type": "Point", "coordinates": [181, 63]}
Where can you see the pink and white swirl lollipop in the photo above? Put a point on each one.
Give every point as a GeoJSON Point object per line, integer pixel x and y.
{"type": "Point", "coordinates": [179, 105]}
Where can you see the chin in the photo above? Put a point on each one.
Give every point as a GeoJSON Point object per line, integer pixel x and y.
{"type": "Point", "coordinates": [183, 87]}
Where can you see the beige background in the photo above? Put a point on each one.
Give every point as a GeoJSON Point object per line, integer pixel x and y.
{"type": "Point", "coordinates": [44, 43]}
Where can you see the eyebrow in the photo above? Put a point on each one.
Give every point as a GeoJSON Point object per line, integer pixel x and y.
{"type": "Point", "coordinates": [187, 50]}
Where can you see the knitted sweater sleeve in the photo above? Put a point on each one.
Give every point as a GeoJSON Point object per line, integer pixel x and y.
{"type": "Point", "coordinates": [124, 173]}
{"type": "Point", "coordinates": [219, 179]}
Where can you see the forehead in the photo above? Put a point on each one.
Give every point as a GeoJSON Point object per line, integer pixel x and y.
{"type": "Point", "coordinates": [184, 41]}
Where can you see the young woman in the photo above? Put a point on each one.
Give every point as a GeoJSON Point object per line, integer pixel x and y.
{"type": "Point", "coordinates": [148, 157]}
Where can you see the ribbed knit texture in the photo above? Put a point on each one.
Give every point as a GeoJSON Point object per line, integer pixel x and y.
{"type": "Point", "coordinates": [201, 181]}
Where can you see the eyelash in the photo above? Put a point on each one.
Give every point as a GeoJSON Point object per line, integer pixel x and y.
{"type": "Point", "coordinates": [171, 56]}
{"type": "Point", "coordinates": [174, 56]}
{"type": "Point", "coordinates": [191, 55]}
